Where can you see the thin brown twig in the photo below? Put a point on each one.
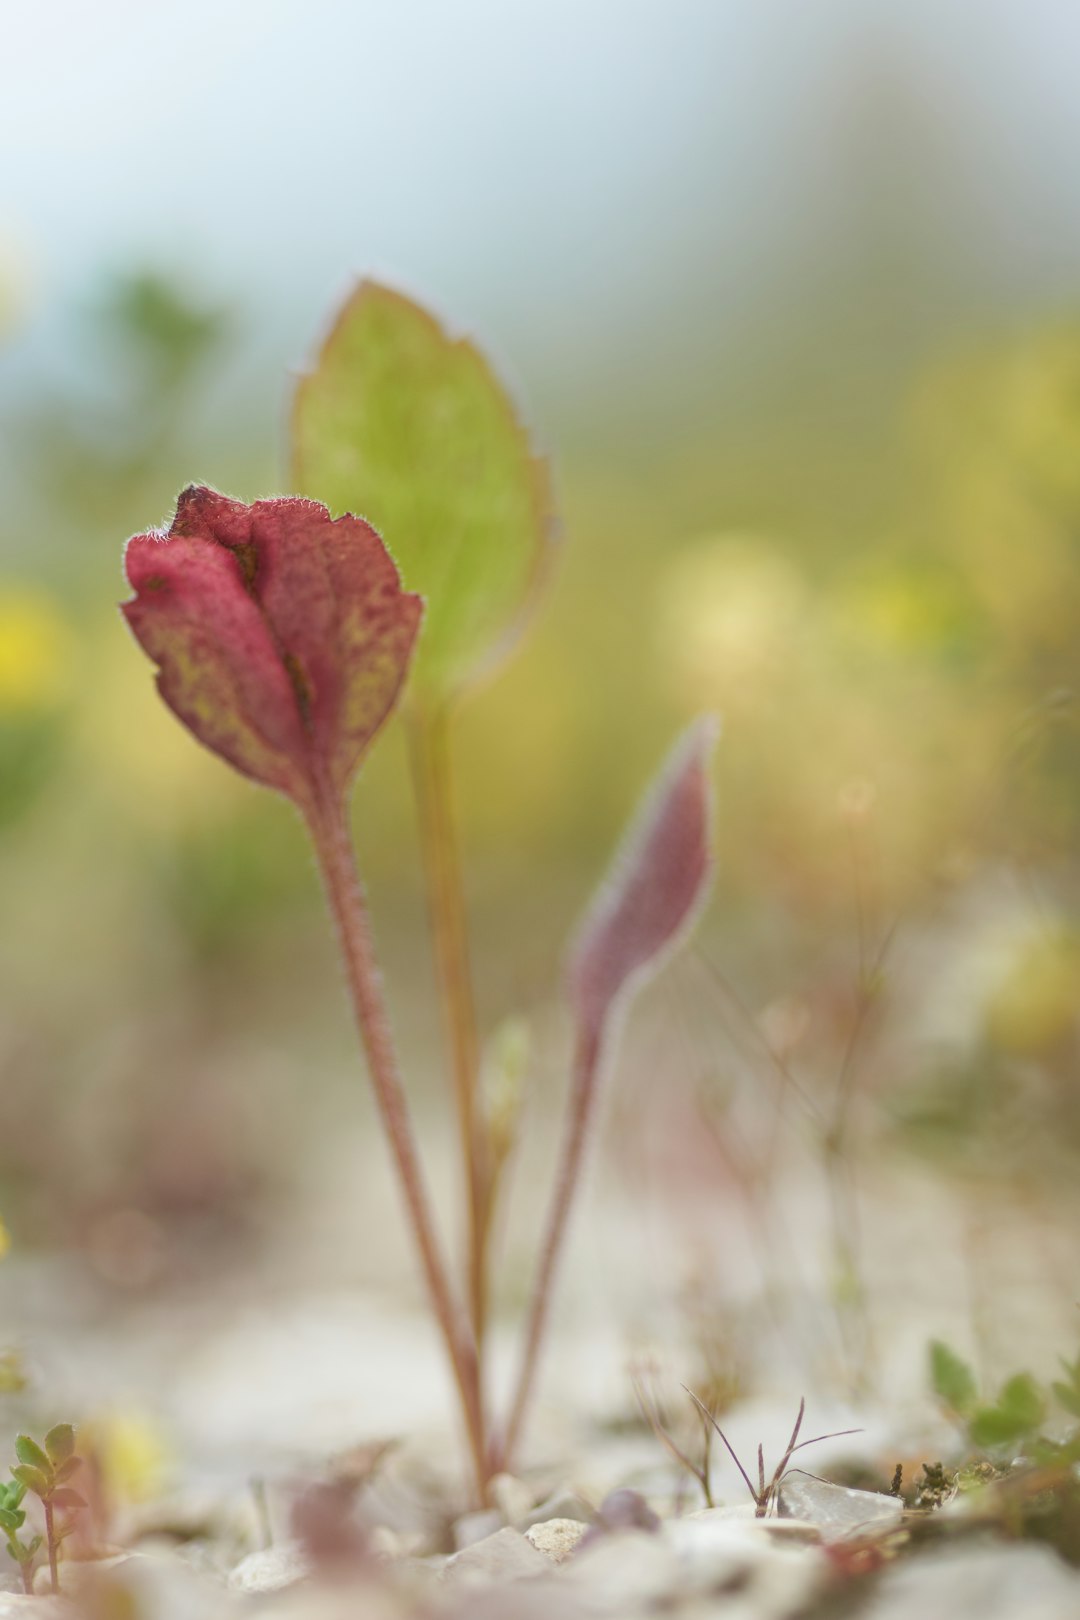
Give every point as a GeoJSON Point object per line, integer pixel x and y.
{"type": "Point", "coordinates": [700, 1404]}
{"type": "Point", "coordinates": [783, 1069]}
{"type": "Point", "coordinates": [583, 1088]}
{"type": "Point", "coordinates": [652, 1416]}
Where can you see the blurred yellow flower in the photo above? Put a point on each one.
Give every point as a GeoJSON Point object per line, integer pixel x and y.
{"type": "Point", "coordinates": [903, 608]}
{"type": "Point", "coordinates": [132, 1453]}
{"type": "Point", "coordinates": [734, 618]}
{"type": "Point", "coordinates": [1035, 1003]}
{"type": "Point", "coordinates": [5, 1240]}
{"type": "Point", "coordinates": [36, 652]}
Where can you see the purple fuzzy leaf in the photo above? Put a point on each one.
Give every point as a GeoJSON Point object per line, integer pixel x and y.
{"type": "Point", "coordinates": [654, 889]}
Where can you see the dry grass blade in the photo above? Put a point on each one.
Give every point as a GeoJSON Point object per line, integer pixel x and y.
{"type": "Point", "coordinates": [651, 1413]}
{"type": "Point", "coordinates": [704, 1410]}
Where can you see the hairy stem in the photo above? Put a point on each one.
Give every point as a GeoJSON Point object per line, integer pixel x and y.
{"type": "Point", "coordinates": [50, 1537]}
{"type": "Point", "coordinates": [329, 828]}
{"type": "Point", "coordinates": [583, 1088]}
{"type": "Point", "coordinates": [446, 907]}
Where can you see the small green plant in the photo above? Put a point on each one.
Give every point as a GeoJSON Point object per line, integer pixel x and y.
{"type": "Point", "coordinates": [12, 1519]}
{"type": "Point", "coordinates": [284, 638]}
{"type": "Point", "coordinates": [1067, 1390]}
{"type": "Point", "coordinates": [44, 1471]}
{"type": "Point", "coordinates": [763, 1493]}
{"type": "Point", "coordinates": [1014, 1418]}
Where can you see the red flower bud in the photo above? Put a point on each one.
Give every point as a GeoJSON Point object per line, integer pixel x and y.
{"type": "Point", "coordinates": [282, 636]}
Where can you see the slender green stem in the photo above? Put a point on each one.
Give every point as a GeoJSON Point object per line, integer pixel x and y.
{"type": "Point", "coordinates": [583, 1088]}
{"type": "Point", "coordinates": [329, 828]}
{"type": "Point", "coordinates": [446, 906]}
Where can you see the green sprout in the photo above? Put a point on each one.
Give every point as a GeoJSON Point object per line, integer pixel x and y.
{"type": "Point", "coordinates": [12, 1518]}
{"type": "Point", "coordinates": [44, 1471]}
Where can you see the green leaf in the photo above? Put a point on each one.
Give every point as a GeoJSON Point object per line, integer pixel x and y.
{"type": "Point", "coordinates": [67, 1498]}
{"type": "Point", "coordinates": [33, 1479]}
{"type": "Point", "coordinates": [952, 1380]}
{"type": "Point", "coordinates": [991, 1427]}
{"type": "Point", "coordinates": [28, 1451]}
{"type": "Point", "coordinates": [60, 1443]}
{"type": "Point", "coordinates": [1069, 1397]}
{"type": "Point", "coordinates": [11, 1518]}
{"type": "Point", "coordinates": [1022, 1398]}
{"type": "Point", "coordinates": [1019, 1411]}
{"type": "Point", "coordinates": [409, 427]}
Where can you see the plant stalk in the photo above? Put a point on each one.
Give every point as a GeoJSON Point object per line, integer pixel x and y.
{"type": "Point", "coordinates": [580, 1108]}
{"type": "Point", "coordinates": [329, 828]}
{"type": "Point", "coordinates": [50, 1537]}
{"type": "Point", "coordinates": [429, 745]}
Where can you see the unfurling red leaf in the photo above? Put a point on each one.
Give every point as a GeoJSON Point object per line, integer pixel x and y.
{"type": "Point", "coordinates": [410, 426]}
{"type": "Point", "coordinates": [65, 1497]}
{"type": "Point", "coordinates": [281, 636]}
{"type": "Point", "coordinates": [656, 884]}
{"type": "Point", "coordinates": [60, 1443]}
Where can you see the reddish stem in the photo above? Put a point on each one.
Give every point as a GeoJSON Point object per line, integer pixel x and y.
{"type": "Point", "coordinates": [50, 1537]}
{"type": "Point", "coordinates": [580, 1108]}
{"type": "Point", "coordinates": [328, 823]}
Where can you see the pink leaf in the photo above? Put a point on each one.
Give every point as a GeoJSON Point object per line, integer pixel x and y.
{"type": "Point", "coordinates": [282, 637]}
{"type": "Point", "coordinates": [656, 884]}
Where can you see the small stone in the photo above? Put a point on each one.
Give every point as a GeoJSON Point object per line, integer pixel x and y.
{"type": "Point", "coordinates": [978, 1581]}
{"type": "Point", "coordinates": [556, 1538]}
{"type": "Point", "coordinates": [628, 1572]}
{"type": "Point", "coordinates": [511, 1496]}
{"type": "Point", "coordinates": [474, 1527]}
{"type": "Point", "coordinates": [839, 1512]}
{"type": "Point", "coordinates": [626, 1510]}
{"type": "Point", "coordinates": [564, 1504]}
{"type": "Point", "coordinates": [505, 1556]}
{"type": "Point", "coordinates": [386, 1545]}
{"type": "Point", "coordinates": [271, 1569]}
{"type": "Point", "coordinates": [720, 1553]}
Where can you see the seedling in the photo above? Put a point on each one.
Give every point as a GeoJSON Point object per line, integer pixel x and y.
{"type": "Point", "coordinates": [12, 1519]}
{"type": "Point", "coordinates": [1013, 1418]}
{"type": "Point", "coordinates": [44, 1471]}
{"type": "Point", "coordinates": [764, 1492]}
{"type": "Point", "coordinates": [284, 638]}
{"type": "Point", "coordinates": [1068, 1389]}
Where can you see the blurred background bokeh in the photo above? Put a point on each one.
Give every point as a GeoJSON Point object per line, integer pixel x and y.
{"type": "Point", "coordinates": [792, 294]}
